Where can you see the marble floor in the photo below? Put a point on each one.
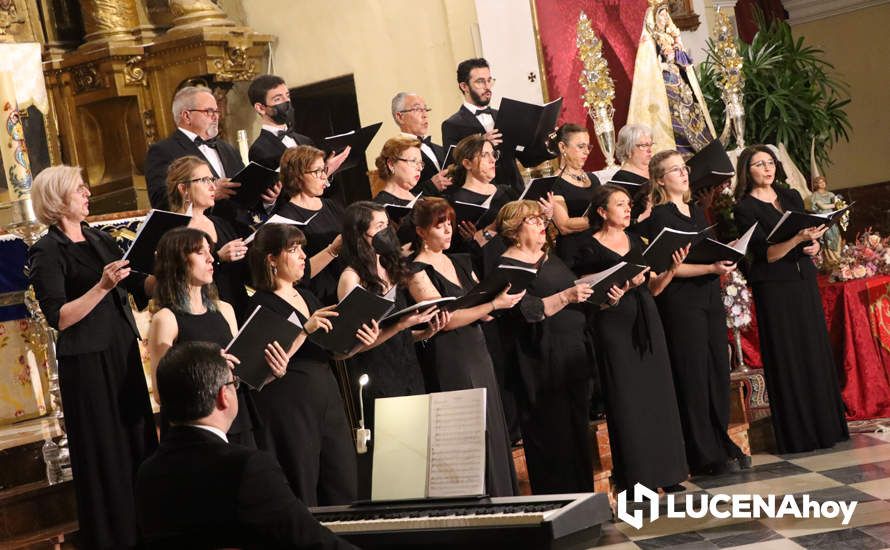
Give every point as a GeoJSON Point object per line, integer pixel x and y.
{"type": "Point", "coordinates": [858, 469]}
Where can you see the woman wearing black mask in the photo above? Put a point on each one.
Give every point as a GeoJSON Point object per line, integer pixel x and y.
{"type": "Point", "coordinates": [372, 260]}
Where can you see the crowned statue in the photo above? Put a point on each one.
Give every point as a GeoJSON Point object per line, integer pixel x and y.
{"type": "Point", "coordinates": [665, 94]}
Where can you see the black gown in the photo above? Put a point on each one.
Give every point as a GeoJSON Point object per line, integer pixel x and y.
{"type": "Point", "coordinates": [211, 326]}
{"type": "Point", "coordinates": [230, 277]}
{"type": "Point", "coordinates": [554, 362]}
{"type": "Point", "coordinates": [483, 257]}
{"type": "Point", "coordinates": [694, 323]}
{"type": "Point", "coordinates": [404, 226]}
{"type": "Point", "coordinates": [639, 194]}
{"type": "Point", "coordinates": [798, 363]}
{"type": "Point", "coordinates": [577, 202]}
{"type": "Point", "coordinates": [108, 416]}
{"type": "Point", "coordinates": [459, 360]}
{"type": "Point", "coordinates": [641, 407]}
{"type": "Point", "coordinates": [304, 422]}
{"type": "Point", "coordinates": [320, 232]}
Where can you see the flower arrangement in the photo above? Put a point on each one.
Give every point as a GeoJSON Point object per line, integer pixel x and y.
{"type": "Point", "coordinates": [868, 255]}
{"type": "Point", "coordinates": [736, 300]}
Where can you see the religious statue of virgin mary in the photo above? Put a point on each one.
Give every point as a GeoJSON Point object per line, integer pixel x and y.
{"type": "Point", "coordinates": [665, 94]}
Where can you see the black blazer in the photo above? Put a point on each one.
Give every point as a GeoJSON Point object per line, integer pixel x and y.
{"type": "Point", "coordinates": [60, 276]}
{"type": "Point", "coordinates": [464, 123]}
{"type": "Point", "coordinates": [425, 184]}
{"type": "Point", "coordinates": [268, 148]}
{"type": "Point", "coordinates": [795, 264]}
{"type": "Point", "coordinates": [197, 491]}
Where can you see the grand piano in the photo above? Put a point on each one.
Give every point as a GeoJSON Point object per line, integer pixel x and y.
{"type": "Point", "coordinates": [562, 522]}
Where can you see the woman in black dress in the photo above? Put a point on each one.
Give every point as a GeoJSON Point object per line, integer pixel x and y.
{"type": "Point", "coordinates": [634, 151]}
{"type": "Point", "coordinates": [82, 284]}
{"type": "Point", "coordinates": [189, 310]}
{"type": "Point", "coordinates": [694, 321]}
{"type": "Point", "coordinates": [304, 178]}
{"type": "Point", "coordinates": [399, 166]}
{"type": "Point", "coordinates": [457, 358]}
{"type": "Point", "coordinates": [798, 363]}
{"type": "Point", "coordinates": [641, 408]}
{"type": "Point", "coordinates": [553, 354]}
{"type": "Point", "coordinates": [572, 189]}
{"type": "Point", "coordinates": [304, 421]}
{"type": "Point", "coordinates": [190, 189]}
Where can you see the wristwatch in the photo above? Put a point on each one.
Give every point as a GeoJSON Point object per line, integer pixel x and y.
{"type": "Point", "coordinates": [487, 234]}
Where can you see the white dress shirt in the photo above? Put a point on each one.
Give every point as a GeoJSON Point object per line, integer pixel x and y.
{"type": "Point", "coordinates": [216, 431]}
{"type": "Point", "coordinates": [426, 150]}
{"type": "Point", "coordinates": [485, 119]}
{"type": "Point", "coordinates": [286, 140]}
{"type": "Point", "coordinates": [209, 153]}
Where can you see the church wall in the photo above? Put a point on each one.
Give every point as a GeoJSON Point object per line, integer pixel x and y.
{"type": "Point", "coordinates": [388, 45]}
{"type": "Point", "coordinates": [856, 44]}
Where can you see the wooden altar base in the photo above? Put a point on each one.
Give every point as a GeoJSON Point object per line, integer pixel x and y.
{"type": "Point", "coordinates": [33, 513]}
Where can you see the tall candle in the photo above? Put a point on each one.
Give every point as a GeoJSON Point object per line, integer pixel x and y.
{"type": "Point", "coordinates": [243, 148]}
{"type": "Point", "coordinates": [14, 153]}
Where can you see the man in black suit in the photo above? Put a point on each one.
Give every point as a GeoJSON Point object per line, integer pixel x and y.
{"type": "Point", "coordinates": [410, 112]}
{"type": "Point", "coordinates": [475, 116]}
{"type": "Point", "coordinates": [271, 100]}
{"type": "Point", "coordinates": [199, 491]}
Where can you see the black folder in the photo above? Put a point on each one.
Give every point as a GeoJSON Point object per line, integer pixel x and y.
{"type": "Point", "coordinates": [527, 125]}
{"type": "Point", "coordinates": [792, 222]}
{"type": "Point", "coordinates": [603, 281]}
{"type": "Point", "coordinates": [277, 218]}
{"type": "Point", "coordinates": [467, 211]}
{"type": "Point", "coordinates": [357, 139]}
{"type": "Point", "coordinates": [398, 211]}
{"type": "Point", "coordinates": [142, 252]}
{"type": "Point", "coordinates": [397, 316]}
{"type": "Point", "coordinates": [710, 251]}
{"type": "Point", "coordinates": [658, 255]}
{"type": "Point", "coordinates": [538, 188]}
{"type": "Point", "coordinates": [519, 278]}
{"type": "Point", "coordinates": [255, 179]}
{"type": "Point", "coordinates": [354, 310]}
{"type": "Point", "coordinates": [709, 167]}
{"type": "Point", "coordinates": [263, 327]}
{"type": "Point", "coordinates": [629, 186]}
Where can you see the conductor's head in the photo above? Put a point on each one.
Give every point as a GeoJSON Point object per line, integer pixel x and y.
{"type": "Point", "coordinates": [197, 386]}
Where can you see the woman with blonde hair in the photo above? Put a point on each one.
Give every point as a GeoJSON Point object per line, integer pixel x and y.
{"type": "Point", "coordinates": [552, 354]}
{"type": "Point", "coordinates": [190, 190]}
{"type": "Point", "coordinates": [82, 284]}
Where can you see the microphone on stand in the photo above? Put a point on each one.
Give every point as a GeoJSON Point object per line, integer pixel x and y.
{"type": "Point", "coordinates": [362, 435]}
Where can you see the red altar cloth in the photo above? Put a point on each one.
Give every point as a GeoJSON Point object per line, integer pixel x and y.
{"type": "Point", "coordinates": [858, 317]}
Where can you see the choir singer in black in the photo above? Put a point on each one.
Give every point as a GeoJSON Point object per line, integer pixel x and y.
{"type": "Point", "coordinates": [82, 285]}
{"type": "Point", "coordinates": [411, 114]}
{"type": "Point", "coordinates": [804, 397]}
{"type": "Point", "coordinates": [553, 355]}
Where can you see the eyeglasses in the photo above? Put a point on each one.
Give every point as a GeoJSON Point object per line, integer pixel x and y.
{"type": "Point", "coordinates": [535, 220]}
{"type": "Point", "coordinates": [644, 145]}
{"type": "Point", "coordinates": [494, 155]}
{"type": "Point", "coordinates": [206, 180]}
{"type": "Point", "coordinates": [764, 164]}
{"type": "Point", "coordinates": [321, 173]}
{"type": "Point", "coordinates": [235, 381]}
{"type": "Point", "coordinates": [419, 110]}
{"type": "Point", "coordinates": [207, 112]}
{"type": "Point", "coordinates": [677, 170]}
{"type": "Point", "coordinates": [417, 163]}
{"type": "Point", "coordinates": [483, 81]}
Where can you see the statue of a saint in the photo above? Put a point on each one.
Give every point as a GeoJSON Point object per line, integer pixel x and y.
{"type": "Point", "coordinates": [822, 201]}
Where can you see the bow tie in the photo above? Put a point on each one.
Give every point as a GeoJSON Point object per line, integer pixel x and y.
{"type": "Point", "coordinates": [484, 111]}
{"type": "Point", "coordinates": [199, 141]}
{"type": "Point", "coordinates": [282, 133]}
{"type": "Point", "coordinates": [428, 140]}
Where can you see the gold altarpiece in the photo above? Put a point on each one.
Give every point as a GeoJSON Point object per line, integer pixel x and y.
{"type": "Point", "coordinates": [112, 68]}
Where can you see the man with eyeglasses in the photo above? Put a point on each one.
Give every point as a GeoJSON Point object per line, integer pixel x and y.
{"type": "Point", "coordinates": [197, 125]}
{"type": "Point", "coordinates": [411, 115]}
{"type": "Point", "coordinates": [475, 116]}
{"type": "Point", "coordinates": [200, 491]}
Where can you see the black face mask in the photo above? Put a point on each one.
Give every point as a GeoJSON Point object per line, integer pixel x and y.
{"type": "Point", "coordinates": [385, 242]}
{"type": "Point", "coordinates": [281, 113]}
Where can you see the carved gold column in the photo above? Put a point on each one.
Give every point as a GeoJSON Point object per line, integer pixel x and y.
{"type": "Point", "coordinates": [109, 21]}
{"type": "Point", "coordinates": [190, 14]}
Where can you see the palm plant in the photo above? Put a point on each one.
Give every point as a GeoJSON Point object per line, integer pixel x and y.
{"type": "Point", "coordinates": [791, 95]}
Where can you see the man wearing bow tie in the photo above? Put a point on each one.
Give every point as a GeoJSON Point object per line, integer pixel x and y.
{"type": "Point", "coordinates": [271, 100]}
{"type": "Point", "coordinates": [197, 120]}
{"type": "Point", "coordinates": [411, 114]}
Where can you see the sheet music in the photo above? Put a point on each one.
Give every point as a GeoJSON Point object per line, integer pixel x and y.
{"type": "Point", "coordinates": [457, 443]}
